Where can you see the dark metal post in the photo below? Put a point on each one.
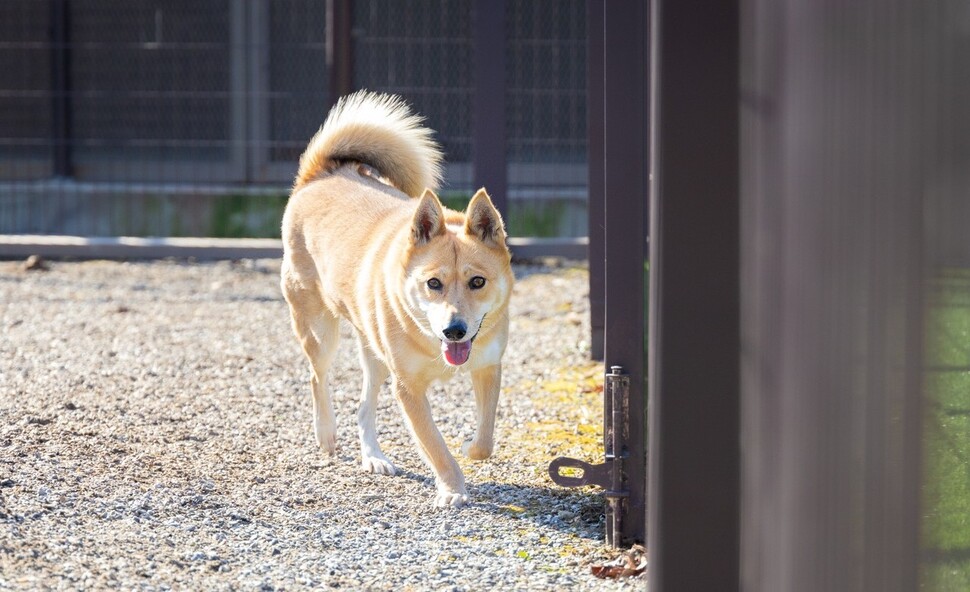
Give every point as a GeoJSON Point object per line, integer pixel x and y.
{"type": "Point", "coordinates": [596, 210]}
{"type": "Point", "coordinates": [693, 524]}
{"type": "Point", "coordinates": [488, 149]}
{"type": "Point", "coordinates": [626, 184]}
{"type": "Point", "coordinates": [60, 82]}
{"type": "Point", "coordinates": [340, 47]}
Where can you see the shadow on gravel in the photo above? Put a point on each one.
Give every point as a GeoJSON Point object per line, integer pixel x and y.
{"type": "Point", "coordinates": [580, 512]}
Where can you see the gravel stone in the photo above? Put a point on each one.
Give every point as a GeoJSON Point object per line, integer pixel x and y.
{"type": "Point", "coordinates": [155, 434]}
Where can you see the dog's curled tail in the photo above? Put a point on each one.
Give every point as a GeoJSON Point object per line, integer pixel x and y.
{"type": "Point", "coordinates": [380, 131]}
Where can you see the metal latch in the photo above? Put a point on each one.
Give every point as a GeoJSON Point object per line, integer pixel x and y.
{"type": "Point", "coordinates": [609, 475]}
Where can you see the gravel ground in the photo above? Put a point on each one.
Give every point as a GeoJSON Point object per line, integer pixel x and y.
{"type": "Point", "coordinates": [155, 433]}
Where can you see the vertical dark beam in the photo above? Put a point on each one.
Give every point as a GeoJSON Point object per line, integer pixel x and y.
{"type": "Point", "coordinates": [241, 95]}
{"type": "Point", "coordinates": [257, 133]}
{"type": "Point", "coordinates": [626, 186]}
{"type": "Point", "coordinates": [488, 144]}
{"type": "Point", "coordinates": [60, 106]}
{"type": "Point", "coordinates": [340, 61]}
{"type": "Point", "coordinates": [595, 206]}
{"type": "Point", "coordinates": [693, 523]}
{"type": "Point", "coordinates": [836, 208]}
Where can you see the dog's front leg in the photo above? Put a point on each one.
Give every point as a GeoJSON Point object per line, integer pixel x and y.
{"type": "Point", "coordinates": [486, 382]}
{"type": "Point", "coordinates": [448, 477]}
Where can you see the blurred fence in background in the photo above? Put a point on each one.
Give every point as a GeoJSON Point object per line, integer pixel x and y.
{"type": "Point", "coordinates": [181, 118]}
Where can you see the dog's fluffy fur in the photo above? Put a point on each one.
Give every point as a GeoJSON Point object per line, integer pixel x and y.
{"type": "Point", "coordinates": [426, 288]}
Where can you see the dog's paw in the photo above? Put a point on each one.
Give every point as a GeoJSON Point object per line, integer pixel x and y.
{"type": "Point", "coordinates": [378, 465]}
{"type": "Point", "coordinates": [445, 499]}
{"type": "Point", "coordinates": [328, 445]}
{"type": "Point", "coordinates": [476, 451]}
{"type": "Point", "coordinates": [326, 438]}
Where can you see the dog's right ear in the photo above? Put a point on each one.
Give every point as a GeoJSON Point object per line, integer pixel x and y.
{"type": "Point", "coordinates": [429, 219]}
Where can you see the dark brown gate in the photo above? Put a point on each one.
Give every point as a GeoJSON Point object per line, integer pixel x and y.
{"type": "Point", "coordinates": [808, 220]}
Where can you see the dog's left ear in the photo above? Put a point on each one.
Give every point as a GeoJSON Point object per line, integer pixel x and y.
{"type": "Point", "coordinates": [483, 221]}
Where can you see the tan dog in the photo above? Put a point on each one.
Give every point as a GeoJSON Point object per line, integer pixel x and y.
{"type": "Point", "coordinates": [426, 288]}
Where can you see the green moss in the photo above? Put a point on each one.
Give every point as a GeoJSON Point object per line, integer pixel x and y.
{"type": "Point", "coordinates": [247, 216]}
{"type": "Point", "coordinates": [524, 218]}
{"type": "Point", "coordinates": [540, 220]}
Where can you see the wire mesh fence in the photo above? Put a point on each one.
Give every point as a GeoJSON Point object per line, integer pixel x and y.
{"type": "Point", "coordinates": [422, 51]}
{"type": "Point", "coordinates": [546, 121]}
{"type": "Point", "coordinates": [184, 118]}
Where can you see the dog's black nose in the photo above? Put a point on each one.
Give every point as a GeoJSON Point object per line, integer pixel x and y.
{"type": "Point", "coordinates": [455, 331]}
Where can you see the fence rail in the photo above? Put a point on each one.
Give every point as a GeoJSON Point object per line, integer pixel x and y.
{"type": "Point", "coordinates": [129, 247]}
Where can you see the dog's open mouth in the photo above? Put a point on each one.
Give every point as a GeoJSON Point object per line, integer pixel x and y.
{"type": "Point", "coordinates": [456, 353]}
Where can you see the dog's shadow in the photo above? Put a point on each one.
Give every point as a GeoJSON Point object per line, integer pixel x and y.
{"type": "Point", "coordinates": [579, 511]}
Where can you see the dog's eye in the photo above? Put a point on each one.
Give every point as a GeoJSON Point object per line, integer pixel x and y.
{"type": "Point", "coordinates": [476, 282]}
{"type": "Point", "coordinates": [434, 284]}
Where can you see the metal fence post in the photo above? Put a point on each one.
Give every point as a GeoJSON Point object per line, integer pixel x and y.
{"type": "Point", "coordinates": [594, 156]}
{"type": "Point", "coordinates": [626, 184]}
{"type": "Point", "coordinates": [693, 523]}
{"type": "Point", "coordinates": [340, 48]}
{"type": "Point", "coordinates": [488, 144]}
{"type": "Point", "coordinates": [60, 105]}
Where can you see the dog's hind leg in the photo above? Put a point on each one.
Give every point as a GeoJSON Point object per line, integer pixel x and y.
{"type": "Point", "coordinates": [318, 331]}
{"type": "Point", "coordinates": [321, 349]}
{"type": "Point", "coordinates": [375, 373]}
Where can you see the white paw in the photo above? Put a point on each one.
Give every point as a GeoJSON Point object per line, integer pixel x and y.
{"type": "Point", "coordinates": [475, 451]}
{"type": "Point", "coordinates": [326, 437]}
{"type": "Point", "coordinates": [377, 464]}
{"type": "Point", "coordinates": [446, 499]}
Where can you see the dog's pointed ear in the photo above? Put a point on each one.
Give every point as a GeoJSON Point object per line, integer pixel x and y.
{"type": "Point", "coordinates": [429, 219]}
{"type": "Point", "coordinates": [483, 221]}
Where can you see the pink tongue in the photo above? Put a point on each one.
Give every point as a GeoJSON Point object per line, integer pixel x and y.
{"type": "Point", "coordinates": [456, 353]}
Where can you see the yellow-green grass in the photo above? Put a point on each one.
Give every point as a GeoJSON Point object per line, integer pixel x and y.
{"type": "Point", "coordinates": [946, 523]}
